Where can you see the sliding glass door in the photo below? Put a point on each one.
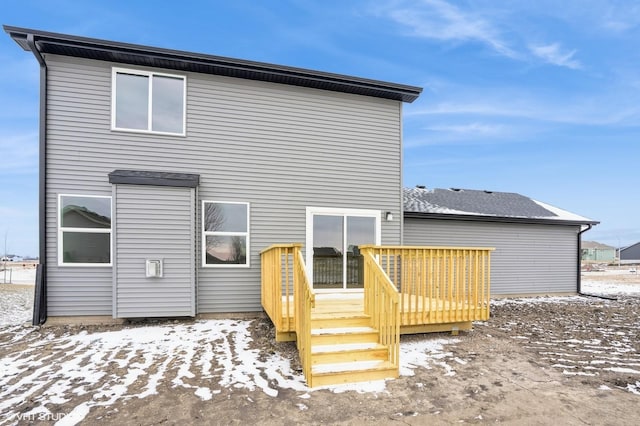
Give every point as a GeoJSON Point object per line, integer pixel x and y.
{"type": "Point", "coordinates": [333, 240]}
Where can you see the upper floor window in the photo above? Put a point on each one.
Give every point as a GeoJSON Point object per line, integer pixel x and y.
{"type": "Point", "coordinates": [84, 230]}
{"type": "Point", "coordinates": [148, 102]}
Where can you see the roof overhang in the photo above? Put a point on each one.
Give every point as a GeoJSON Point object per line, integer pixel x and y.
{"type": "Point", "coordinates": [133, 54]}
{"type": "Point", "coordinates": [499, 219]}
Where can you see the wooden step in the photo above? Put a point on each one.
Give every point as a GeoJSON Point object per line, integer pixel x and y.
{"type": "Point", "coordinates": [337, 321]}
{"type": "Point", "coordinates": [333, 336]}
{"type": "Point", "coordinates": [352, 372]}
{"type": "Point", "coordinates": [348, 352]}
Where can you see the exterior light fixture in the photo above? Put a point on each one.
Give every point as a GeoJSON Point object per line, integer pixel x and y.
{"type": "Point", "coordinates": [388, 216]}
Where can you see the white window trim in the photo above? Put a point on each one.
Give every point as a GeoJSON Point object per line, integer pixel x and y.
{"type": "Point", "coordinates": [332, 211]}
{"type": "Point", "coordinates": [150, 74]}
{"type": "Point", "coordinates": [61, 230]}
{"type": "Point", "coordinates": [204, 235]}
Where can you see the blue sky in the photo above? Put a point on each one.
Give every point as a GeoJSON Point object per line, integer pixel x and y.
{"type": "Point", "coordinates": [536, 97]}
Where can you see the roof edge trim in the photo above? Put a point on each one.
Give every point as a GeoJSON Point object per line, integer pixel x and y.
{"type": "Point", "coordinates": [50, 42]}
{"type": "Point", "coordinates": [500, 219]}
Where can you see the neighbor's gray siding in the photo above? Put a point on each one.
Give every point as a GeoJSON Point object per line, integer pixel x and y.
{"type": "Point", "coordinates": [528, 259]}
{"type": "Point", "coordinates": [631, 253]}
{"type": "Point", "coordinates": [281, 148]}
{"type": "Point", "coordinates": [154, 223]}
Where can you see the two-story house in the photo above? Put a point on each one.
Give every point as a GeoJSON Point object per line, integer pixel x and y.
{"type": "Point", "coordinates": [185, 166]}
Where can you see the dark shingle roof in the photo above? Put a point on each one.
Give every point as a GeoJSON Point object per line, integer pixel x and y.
{"type": "Point", "coordinates": [105, 50]}
{"type": "Point", "coordinates": [480, 205]}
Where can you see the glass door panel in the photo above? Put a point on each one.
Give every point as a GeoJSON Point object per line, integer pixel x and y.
{"type": "Point", "coordinates": [328, 249]}
{"type": "Point", "coordinates": [360, 230]}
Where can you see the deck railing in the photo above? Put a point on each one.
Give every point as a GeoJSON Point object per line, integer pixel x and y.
{"type": "Point", "coordinates": [304, 303]}
{"type": "Point", "coordinates": [381, 303]}
{"type": "Point", "coordinates": [277, 264]}
{"type": "Point", "coordinates": [437, 285]}
{"type": "Point", "coordinates": [286, 291]}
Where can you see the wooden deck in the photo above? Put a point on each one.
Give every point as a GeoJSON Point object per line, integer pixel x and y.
{"type": "Point", "coordinates": [421, 315]}
{"type": "Point", "coordinates": [354, 336]}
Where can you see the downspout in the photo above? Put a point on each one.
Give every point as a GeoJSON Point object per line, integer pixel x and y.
{"type": "Point", "coordinates": [589, 226]}
{"type": "Point", "coordinates": [40, 296]}
{"type": "Point", "coordinates": [401, 213]}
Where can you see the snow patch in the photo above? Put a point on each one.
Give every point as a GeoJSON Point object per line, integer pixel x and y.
{"type": "Point", "coordinates": [425, 354]}
{"type": "Point", "coordinates": [204, 394]}
{"type": "Point", "coordinates": [634, 388]}
{"type": "Point", "coordinates": [215, 354]}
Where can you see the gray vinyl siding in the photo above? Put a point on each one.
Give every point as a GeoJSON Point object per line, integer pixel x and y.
{"type": "Point", "coordinates": [528, 258]}
{"type": "Point", "coordinates": [280, 148]}
{"type": "Point", "coordinates": [154, 223]}
{"type": "Point", "coordinates": [631, 253]}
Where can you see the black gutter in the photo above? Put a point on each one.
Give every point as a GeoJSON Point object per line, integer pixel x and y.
{"type": "Point", "coordinates": [500, 219]}
{"type": "Point", "coordinates": [40, 295]}
{"type": "Point", "coordinates": [579, 283]}
{"type": "Point", "coordinates": [91, 48]}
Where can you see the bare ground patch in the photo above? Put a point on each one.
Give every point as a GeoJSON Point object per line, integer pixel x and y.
{"type": "Point", "coordinates": [570, 361]}
{"type": "Point", "coordinates": [573, 360]}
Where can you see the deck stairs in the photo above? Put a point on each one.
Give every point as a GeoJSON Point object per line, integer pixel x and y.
{"type": "Point", "coordinates": [344, 346]}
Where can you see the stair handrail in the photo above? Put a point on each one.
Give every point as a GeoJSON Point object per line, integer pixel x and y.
{"type": "Point", "coordinates": [277, 265]}
{"type": "Point", "coordinates": [382, 304]}
{"type": "Point", "coordinates": [304, 301]}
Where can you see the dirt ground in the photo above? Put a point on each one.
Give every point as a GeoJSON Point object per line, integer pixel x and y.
{"type": "Point", "coordinates": [568, 361]}
{"type": "Point", "coordinates": [507, 376]}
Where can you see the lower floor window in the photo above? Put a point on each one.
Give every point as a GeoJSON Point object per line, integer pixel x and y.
{"type": "Point", "coordinates": [225, 233]}
{"type": "Point", "coordinates": [84, 231]}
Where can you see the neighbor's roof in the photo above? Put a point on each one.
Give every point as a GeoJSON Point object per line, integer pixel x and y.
{"type": "Point", "coordinates": [134, 54]}
{"type": "Point", "coordinates": [628, 247]}
{"type": "Point", "coordinates": [596, 245]}
{"type": "Point", "coordinates": [470, 204]}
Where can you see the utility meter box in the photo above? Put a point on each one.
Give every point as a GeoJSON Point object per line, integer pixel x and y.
{"type": "Point", "coordinates": [154, 268]}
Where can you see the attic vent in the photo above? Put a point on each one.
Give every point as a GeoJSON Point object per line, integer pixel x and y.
{"type": "Point", "coordinates": [456, 189]}
{"type": "Point", "coordinates": [488, 192]}
{"type": "Point", "coordinates": [420, 186]}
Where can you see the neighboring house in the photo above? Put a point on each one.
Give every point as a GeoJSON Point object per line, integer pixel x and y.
{"type": "Point", "coordinates": [164, 174]}
{"type": "Point", "coordinates": [537, 246]}
{"type": "Point", "coordinates": [596, 252]}
{"type": "Point", "coordinates": [630, 254]}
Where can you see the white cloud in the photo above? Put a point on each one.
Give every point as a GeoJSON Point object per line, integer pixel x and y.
{"type": "Point", "coordinates": [467, 134]}
{"type": "Point", "coordinates": [439, 20]}
{"type": "Point", "coordinates": [469, 104]}
{"type": "Point", "coordinates": [618, 18]}
{"type": "Point", "coordinates": [505, 30]}
{"type": "Point", "coordinates": [553, 54]}
{"type": "Point", "coordinates": [475, 128]}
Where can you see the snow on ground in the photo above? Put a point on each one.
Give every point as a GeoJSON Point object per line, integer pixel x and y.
{"type": "Point", "coordinates": [606, 287]}
{"type": "Point", "coordinates": [16, 304]}
{"type": "Point", "coordinates": [612, 281]}
{"type": "Point", "coordinates": [16, 293]}
{"type": "Point", "coordinates": [17, 274]}
{"type": "Point", "coordinates": [206, 356]}
{"type": "Point", "coordinates": [579, 336]}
